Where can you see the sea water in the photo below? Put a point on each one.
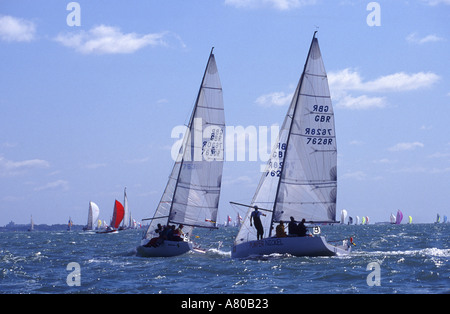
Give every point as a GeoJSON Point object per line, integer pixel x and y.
{"type": "Point", "coordinates": [386, 259]}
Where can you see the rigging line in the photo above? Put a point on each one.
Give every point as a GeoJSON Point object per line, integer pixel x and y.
{"type": "Point", "coordinates": [250, 206]}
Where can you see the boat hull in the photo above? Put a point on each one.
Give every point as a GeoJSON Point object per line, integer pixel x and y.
{"type": "Point", "coordinates": [296, 246]}
{"type": "Point", "coordinates": [108, 231]}
{"type": "Point", "coordinates": [166, 249]}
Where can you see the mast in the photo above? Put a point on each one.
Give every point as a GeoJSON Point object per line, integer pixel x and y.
{"type": "Point", "coordinates": [289, 134]}
{"type": "Point", "coordinates": [194, 110]}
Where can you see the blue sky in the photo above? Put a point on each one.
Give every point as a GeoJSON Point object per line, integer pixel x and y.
{"type": "Point", "coordinates": [87, 110]}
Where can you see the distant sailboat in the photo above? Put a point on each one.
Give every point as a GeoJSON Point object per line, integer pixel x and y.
{"type": "Point", "coordinates": [409, 220]}
{"type": "Point", "coordinates": [191, 197]}
{"type": "Point", "coordinates": [392, 218]}
{"type": "Point", "coordinates": [118, 213]}
{"type": "Point", "coordinates": [438, 219]}
{"type": "Point", "coordinates": [357, 220]}
{"type": "Point", "coordinates": [228, 222]}
{"type": "Point", "coordinates": [300, 179]}
{"type": "Point", "coordinates": [126, 222]}
{"type": "Point", "coordinates": [93, 214]}
{"type": "Point", "coordinates": [31, 224]}
{"type": "Point", "coordinates": [238, 220]}
{"type": "Point", "coordinates": [69, 224]}
{"type": "Point", "coordinates": [343, 216]}
{"type": "Point", "coordinates": [399, 217]}
{"type": "Point", "coordinates": [445, 219]}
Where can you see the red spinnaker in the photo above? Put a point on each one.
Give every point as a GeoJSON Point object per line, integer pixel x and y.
{"type": "Point", "coordinates": [118, 214]}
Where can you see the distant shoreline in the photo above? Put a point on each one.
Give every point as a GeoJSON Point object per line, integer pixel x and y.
{"type": "Point", "coordinates": [43, 227]}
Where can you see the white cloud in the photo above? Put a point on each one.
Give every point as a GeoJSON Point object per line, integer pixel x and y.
{"type": "Point", "coordinates": [413, 38]}
{"type": "Point", "coordinates": [343, 83]}
{"type": "Point", "coordinates": [110, 40]}
{"type": "Point", "coordinates": [16, 29]}
{"type": "Point", "coordinates": [276, 4]}
{"type": "Point", "coordinates": [274, 99]}
{"type": "Point", "coordinates": [363, 102]}
{"type": "Point", "coordinates": [59, 184]}
{"type": "Point", "coordinates": [348, 80]}
{"type": "Point", "coordinates": [406, 146]}
{"type": "Point", "coordinates": [10, 168]}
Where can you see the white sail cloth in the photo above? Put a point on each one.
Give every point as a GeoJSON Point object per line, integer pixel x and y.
{"type": "Point", "coordinates": [191, 196]}
{"type": "Point", "coordinates": [301, 177]}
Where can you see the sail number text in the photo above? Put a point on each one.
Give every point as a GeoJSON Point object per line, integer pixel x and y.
{"type": "Point", "coordinates": [321, 109]}
{"type": "Point", "coordinates": [276, 163]}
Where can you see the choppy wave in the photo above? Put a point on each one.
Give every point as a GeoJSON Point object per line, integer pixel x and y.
{"type": "Point", "coordinates": [412, 259]}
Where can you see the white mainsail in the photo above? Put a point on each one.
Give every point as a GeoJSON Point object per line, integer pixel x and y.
{"type": "Point", "coordinates": [191, 196]}
{"type": "Point", "coordinates": [301, 177]}
{"type": "Point", "coordinates": [392, 218]}
{"type": "Point", "coordinates": [93, 214]}
{"type": "Point", "coordinates": [343, 216]}
{"type": "Point", "coordinates": [126, 222]}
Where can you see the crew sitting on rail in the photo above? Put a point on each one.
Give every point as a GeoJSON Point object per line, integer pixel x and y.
{"type": "Point", "coordinates": [280, 233]}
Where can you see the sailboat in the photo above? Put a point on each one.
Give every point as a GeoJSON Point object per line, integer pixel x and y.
{"type": "Point", "coordinates": [69, 224]}
{"type": "Point", "coordinates": [31, 224]}
{"type": "Point", "coordinates": [438, 219]}
{"type": "Point", "coordinates": [392, 218]}
{"type": "Point", "coordinates": [93, 214]}
{"type": "Point", "coordinates": [343, 216]}
{"type": "Point", "coordinates": [300, 179]}
{"type": "Point", "coordinates": [399, 217]}
{"type": "Point", "coordinates": [126, 222]}
{"type": "Point", "coordinates": [409, 220]}
{"type": "Point", "coordinates": [191, 197]}
{"type": "Point", "coordinates": [118, 213]}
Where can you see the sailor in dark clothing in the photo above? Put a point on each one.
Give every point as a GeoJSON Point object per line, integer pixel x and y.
{"type": "Point", "coordinates": [301, 228]}
{"type": "Point", "coordinates": [256, 214]}
{"type": "Point", "coordinates": [293, 228]}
